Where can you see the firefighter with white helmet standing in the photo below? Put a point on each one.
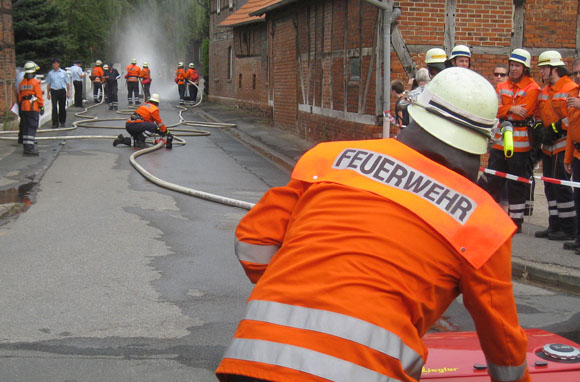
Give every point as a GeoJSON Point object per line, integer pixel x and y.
{"type": "Point", "coordinates": [518, 103]}
{"type": "Point", "coordinates": [180, 79]}
{"type": "Point", "coordinates": [145, 77]}
{"type": "Point", "coordinates": [553, 113]}
{"type": "Point", "coordinates": [132, 77]}
{"type": "Point", "coordinates": [460, 56]}
{"type": "Point", "coordinates": [97, 78]}
{"type": "Point", "coordinates": [192, 81]}
{"type": "Point", "coordinates": [435, 59]}
{"type": "Point", "coordinates": [338, 296]}
{"type": "Point", "coordinates": [31, 106]}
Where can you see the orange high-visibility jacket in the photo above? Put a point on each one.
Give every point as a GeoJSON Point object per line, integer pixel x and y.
{"type": "Point", "coordinates": [150, 113]}
{"type": "Point", "coordinates": [191, 75]}
{"type": "Point", "coordinates": [525, 92]}
{"type": "Point", "coordinates": [145, 76]}
{"type": "Point", "coordinates": [28, 88]}
{"type": "Point", "coordinates": [358, 256]}
{"type": "Point", "coordinates": [180, 76]}
{"type": "Point", "coordinates": [573, 135]}
{"type": "Point", "coordinates": [98, 74]}
{"type": "Point", "coordinates": [552, 108]}
{"type": "Point", "coordinates": [133, 72]}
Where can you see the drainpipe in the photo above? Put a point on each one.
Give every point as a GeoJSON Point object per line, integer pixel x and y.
{"type": "Point", "coordinates": [389, 17]}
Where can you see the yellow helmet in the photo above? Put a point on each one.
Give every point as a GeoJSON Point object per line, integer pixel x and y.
{"type": "Point", "coordinates": [522, 56]}
{"type": "Point", "coordinates": [459, 115]}
{"type": "Point", "coordinates": [550, 57]}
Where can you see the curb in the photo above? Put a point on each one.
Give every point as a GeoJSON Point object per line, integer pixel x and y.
{"type": "Point", "coordinates": [546, 274]}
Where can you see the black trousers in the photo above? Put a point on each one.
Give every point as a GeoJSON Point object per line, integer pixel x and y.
{"type": "Point", "coordinates": [133, 89]}
{"type": "Point", "coordinates": [141, 130]}
{"type": "Point", "coordinates": [112, 91]}
{"type": "Point", "coordinates": [192, 93]}
{"type": "Point", "coordinates": [560, 198]}
{"type": "Point", "coordinates": [518, 192]}
{"type": "Point", "coordinates": [78, 93]}
{"type": "Point", "coordinates": [97, 91]}
{"type": "Point", "coordinates": [28, 126]}
{"type": "Point", "coordinates": [58, 99]}
{"type": "Point", "coordinates": [181, 90]}
{"type": "Point", "coordinates": [146, 91]}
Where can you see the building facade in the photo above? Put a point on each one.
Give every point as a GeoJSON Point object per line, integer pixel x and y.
{"type": "Point", "coordinates": [316, 67]}
{"type": "Point", "coordinates": [7, 58]}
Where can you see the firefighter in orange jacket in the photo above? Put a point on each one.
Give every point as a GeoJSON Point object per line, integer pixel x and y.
{"type": "Point", "coordinates": [518, 102]}
{"type": "Point", "coordinates": [97, 78]}
{"type": "Point", "coordinates": [145, 77]}
{"type": "Point", "coordinates": [31, 106]}
{"type": "Point", "coordinates": [553, 113]}
{"type": "Point", "coordinates": [180, 79]}
{"type": "Point", "coordinates": [192, 81]}
{"type": "Point", "coordinates": [144, 122]}
{"type": "Point", "coordinates": [132, 77]}
{"type": "Point", "coordinates": [341, 294]}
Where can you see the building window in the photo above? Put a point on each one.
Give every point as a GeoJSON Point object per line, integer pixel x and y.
{"type": "Point", "coordinates": [219, 6]}
{"type": "Point", "coordinates": [240, 81]}
{"type": "Point", "coordinates": [355, 69]}
{"type": "Point", "coordinates": [254, 82]}
{"type": "Point", "coordinates": [230, 63]}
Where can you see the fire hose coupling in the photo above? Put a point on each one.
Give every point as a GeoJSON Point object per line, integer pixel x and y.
{"type": "Point", "coordinates": [507, 132]}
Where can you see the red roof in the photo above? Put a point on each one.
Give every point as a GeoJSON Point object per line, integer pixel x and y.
{"type": "Point", "coordinates": [242, 15]}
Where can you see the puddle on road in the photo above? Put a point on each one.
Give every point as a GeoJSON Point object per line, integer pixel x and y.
{"type": "Point", "coordinates": [16, 200]}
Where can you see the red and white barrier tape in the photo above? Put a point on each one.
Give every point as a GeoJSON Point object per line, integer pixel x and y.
{"type": "Point", "coordinates": [528, 180]}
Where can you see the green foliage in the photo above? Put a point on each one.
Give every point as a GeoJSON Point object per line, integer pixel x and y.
{"type": "Point", "coordinates": [205, 56]}
{"type": "Point", "coordinates": [40, 32]}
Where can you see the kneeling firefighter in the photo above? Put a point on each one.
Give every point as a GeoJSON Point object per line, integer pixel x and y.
{"type": "Point", "coordinates": [144, 122]}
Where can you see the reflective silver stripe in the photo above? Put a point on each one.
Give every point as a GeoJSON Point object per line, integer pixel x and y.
{"type": "Point", "coordinates": [553, 212]}
{"type": "Point", "coordinates": [559, 144]}
{"type": "Point", "coordinates": [552, 203]}
{"type": "Point", "coordinates": [521, 93]}
{"type": "Point", "coordinates": [560, 95]}
{"type": "Point", "coordinates": [253, 253]}
{"type": "Point", "coordinates": [567, 214]}
{"type": "Point", "coordinates": [521, 144]}
{"type": "Point", "coordinates": [520, 133]}
{"type": "Point", "coordinates": [305, 360]}
{"type": "Point", "coordinates": [565, 121]}
{"type": "Point", "coordinates": [506, 373]}
{"type": "Point", "coordinates": [339, 325]}
{"type": "Point", "coordinates": [565, 205]}
{"type": "Point", "coordinates": [516, 215]}
{"type": "Point", "coordinates": [506, 92]}
{"type": "Point", "coordinates": [543, 97]}
{"type": "Point", "coordinates": [517, 206]}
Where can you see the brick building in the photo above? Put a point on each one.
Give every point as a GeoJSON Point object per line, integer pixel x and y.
{"type": "Point", "coordinates": [315, 67]}
{"type": "Point", "coordinates": [7, 57]}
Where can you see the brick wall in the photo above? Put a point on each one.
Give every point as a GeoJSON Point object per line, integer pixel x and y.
{"type": "Point", "coordinates": [7, 56]}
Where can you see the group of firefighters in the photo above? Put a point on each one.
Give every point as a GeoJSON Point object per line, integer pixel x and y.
{"type": "Point", "coordinates": [106, 75]}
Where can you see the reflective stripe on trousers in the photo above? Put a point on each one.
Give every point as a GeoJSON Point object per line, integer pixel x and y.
{"type": "Point", "coordinates": [338, 325]}
{"type": "Point", "coordinates": [506, 373]}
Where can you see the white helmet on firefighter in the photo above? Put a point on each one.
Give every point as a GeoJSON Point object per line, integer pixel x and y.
{"type": "Point", "coordinates": [154, 98]}
{"type": "Point", "coordinates": [106, 67]}
{"type": "Point", "coordinates": [99, 63]}
{"type": "Point", "coordinates": [458, 107]}
{"type": "Point", "coordinates": [435, 56]}
{"type": "Point", "coordinates": [145, 64]}
{"type": "Point", "coordinates": [191, 65]}
{"type": "Point", "coordinates": [522, 56]}
{"type": "Point", "coordinates": [134, 61]}
{"type": "Point", "coordinates": [30, 67]}
{"type": "Point", "coordinates": [180, 65]}
{"type": "Point", "coordinates": [550, 57]}
{"type": "Point", "coordinates": [460, 51]}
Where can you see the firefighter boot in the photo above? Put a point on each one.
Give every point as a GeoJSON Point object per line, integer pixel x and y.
{"type": "Point", "coordinates": [121, 139]}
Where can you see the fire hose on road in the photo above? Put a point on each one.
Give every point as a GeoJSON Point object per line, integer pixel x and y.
{"type": "Point", "coordinates": [88, 122]}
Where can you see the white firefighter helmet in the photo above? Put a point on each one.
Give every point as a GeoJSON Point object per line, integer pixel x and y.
{"type": "Point", "coordinates": [30, 67]}
{"type": "Point", "coordinates": [99, 62]}
{"type": "Point", "coordinates": [522, 56]}
{"type": "Point", "coordinates": [134, 61]}
{"type": "Point", "coordinates": [460, 51]}
{"type": "Point", "coordinates": [155, 98]}
{"type": "Point", "coordinates": [550, 57]}
{"type": "Point", "coordinates": [435, 56]}
{"type": "Point", "coordinates": [180, 64]}
{"type": "Point", "coordinates": [191, 65]}
{"type": "Point", "coordinates": [106, 67]}
{"type": "Point", "coordinates": [458, 107]}
{"type": "Point", "coordinates": [145, 64]}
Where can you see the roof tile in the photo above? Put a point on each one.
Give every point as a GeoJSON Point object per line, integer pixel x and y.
{"type": "Point", "coordinates": [242, 15]}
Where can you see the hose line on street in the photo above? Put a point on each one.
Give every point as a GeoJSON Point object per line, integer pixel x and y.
{"type": "Point", "coordinates": [88, 122]}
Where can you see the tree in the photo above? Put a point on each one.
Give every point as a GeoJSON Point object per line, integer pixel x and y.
{"type": "Point", "coordinates": [39, 32]}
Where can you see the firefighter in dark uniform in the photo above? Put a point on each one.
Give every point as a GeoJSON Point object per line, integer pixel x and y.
{"type": "Point", "coordinates": [31, 106]}
{"type": "Point", "coordinates": [553, 113]}
{"type": "Point", "coordinates": [112, 88]}
{"type": "Point", "coordinates": [144, 122]}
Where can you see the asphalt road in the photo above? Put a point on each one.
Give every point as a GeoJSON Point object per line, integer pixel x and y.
{"type": "Point", "coordinates": [108, 277]}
